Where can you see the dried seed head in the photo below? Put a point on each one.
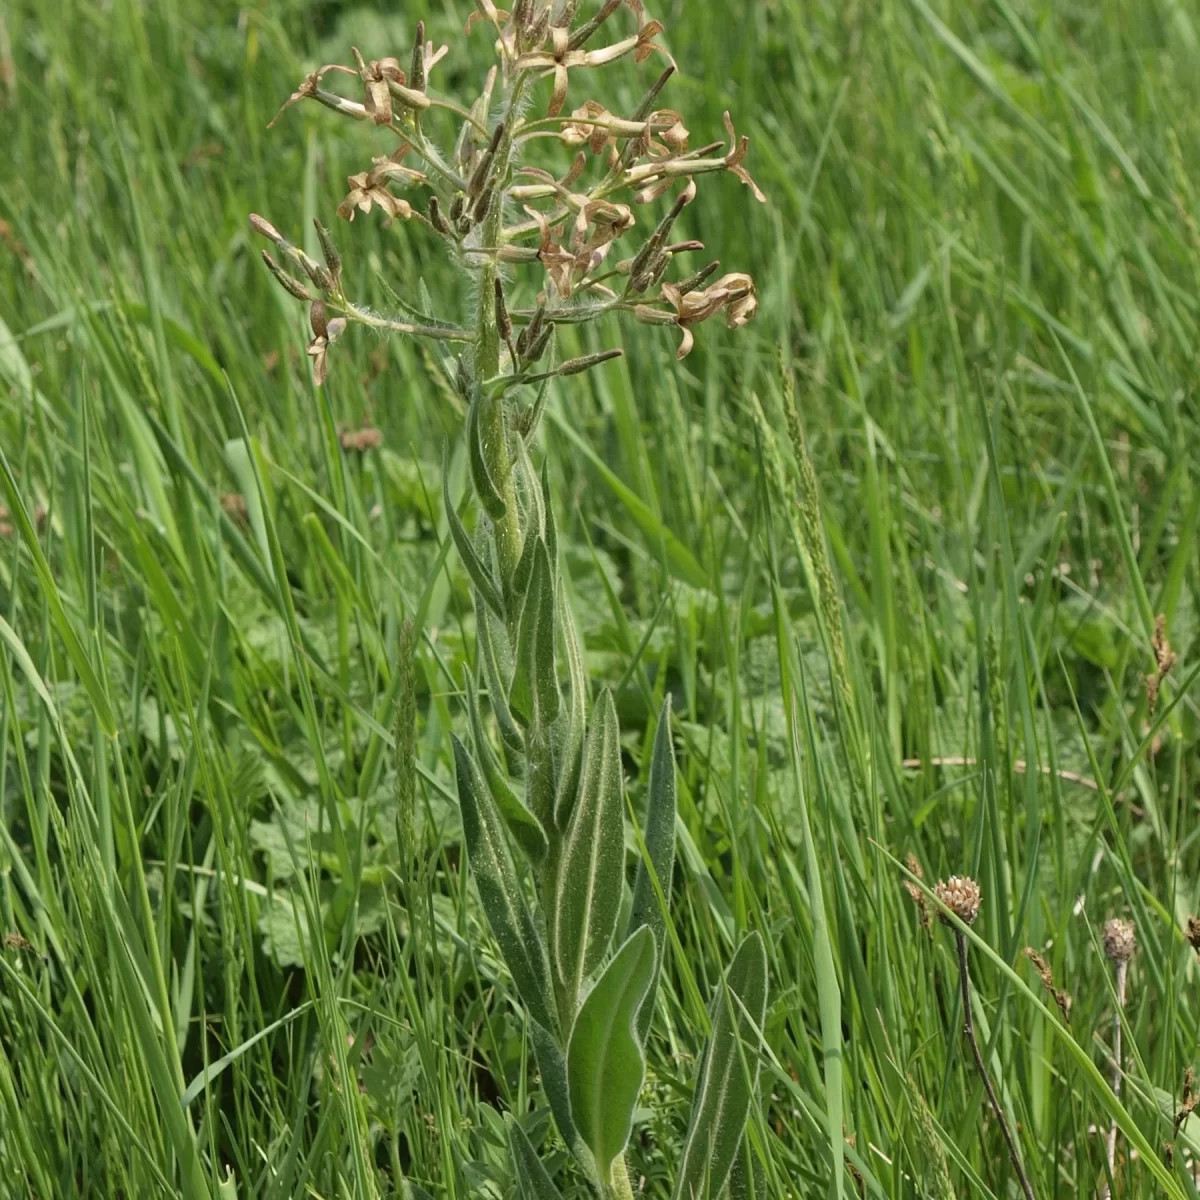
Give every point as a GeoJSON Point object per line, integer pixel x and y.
{"type": "Point", "coordinates": [960, 894]}
{"type": "Point", "coordinates": [1192, 933]}
{"type": "Point", "coordinates": [917, 896]}
{"type": "Point", "coordinates": [1119, 940]}
{"type": "Point", "coordinates": [1042, 967]}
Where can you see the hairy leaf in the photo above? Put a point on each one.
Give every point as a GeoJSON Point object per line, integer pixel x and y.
{"type": "Point", "coordinates": [533, 1182]}
{"type": "Point", "coordinates": [660, 851]}
{"type": "Point", "coordinates": [499, 890]}
{"type": "Point", "coordinates": [588, 895]}
{"type": "Point", "coordinates": [526, 829]}
{"type": "Point", "coordinates": [479, 573]}
{"type": "Point", "coordinates": [534, 694]}
{"type": "Point", "coordinates": [485, 487]}
{"type": "Point", "coordinates": [605, 1064]}
{"type": "Point", "coordinates": [728, 1074]}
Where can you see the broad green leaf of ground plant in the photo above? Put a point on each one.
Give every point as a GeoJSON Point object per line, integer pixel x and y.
{"type": "Point", "coordinates": [728, 1074]}
{"type": "Point", "coordinates": [500, 891]}
{"type": "Point", "coordinates": [660, 854]}
{"type": "Point", "coordinates": [589, 882]}
{"type": "Point", "coordinates": [533, 1183]}
{"type": "Point", "coordinates": [605, 1063]}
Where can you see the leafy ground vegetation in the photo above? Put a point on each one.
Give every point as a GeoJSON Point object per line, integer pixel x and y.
{"type": "Point", "coordinates": [912, 556]}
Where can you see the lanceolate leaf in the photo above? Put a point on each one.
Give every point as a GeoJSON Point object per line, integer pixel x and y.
{"type": "Point", "coordinates": [480, 575]}
{"type": "Point", "coordinates": [533, 1183]}
{"type": "Point", "coordinates": [589, 883]}
{"type": "Point", "coordinates": [660, 849]}
{"type": "Point", "coordinates": [503, 902]}
{"type": "Point", "coordinates": [535, 695]}
{"type": "Point", "coordinates": [526, 829]}
{"type": "Point", "coordinates": [552, 1067]}
{"type": "Point", "coordinates": [485, 488]}
{"type": "Point", "coordinates": [489, 631]}
{"type": "Point", "coordinates": [605, 1064]}
{"type": "Point", "coordinates": [573, 722]}
{"type": "Point", "coordinates": [728, 1075]}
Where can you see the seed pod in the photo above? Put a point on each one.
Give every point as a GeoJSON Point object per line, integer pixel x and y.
{"type": "Point", "coordinates": [463, 382]}
{"type": "Point", "coordinates": [456, 206]}
{"type": "Point", "coordinates": [538, 347]}
{"type": "Point", "coordinates": [574, 366]}
{"type": "Point", "coordinates": [503, 320]}
{"type": "Point", "coordinates": [290, 285]}
{"type": "Point", "coordinates": [483, 204]}
{"type": "Point", "coordinates": [656, 241]}
{"type": "Point", "coordinates": [692, 282]}
{"type": "Point", "coordinates": [436, 219]}
{"type": "Point", "coordinates": [332, 259]}
{"type": "Point", "coordinates": [417, 74]}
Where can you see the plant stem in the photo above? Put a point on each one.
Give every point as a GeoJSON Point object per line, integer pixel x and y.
{"type": "Point", "coordinates": [620, 1188]}
{"type": "Point", "coordinates": [487, 348]}
{"type": "Point", "coordinates": [1111, 1148]}
{"type": "Point", "coordinates": [960, 939]}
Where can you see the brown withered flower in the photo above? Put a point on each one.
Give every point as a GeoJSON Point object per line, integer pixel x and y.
{"type": "Point", "coordinates": [325, 333]}
{"type": "Point", "coordinates": [376, 75]}
{"type": "Point", "coordinates": [561, 57]}
{"type": "Point", "coordinates": [734, 294]}
{"type": "Point", "coordinates": [310, 89]}
{"type": "Point", "coordinates": [370, 188]}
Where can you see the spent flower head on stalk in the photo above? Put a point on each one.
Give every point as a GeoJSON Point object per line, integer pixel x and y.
{"type": "Point", "coordinates": [557, 197]}
{"type": "Point", "coordinates": [477, 190]}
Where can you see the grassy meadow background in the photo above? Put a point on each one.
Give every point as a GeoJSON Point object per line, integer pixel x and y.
{"type": "Point", "coordinates": [981, 261]}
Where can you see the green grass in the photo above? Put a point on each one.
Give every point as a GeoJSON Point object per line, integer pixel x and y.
{"type": "Point", "coordinates": [981, 258]}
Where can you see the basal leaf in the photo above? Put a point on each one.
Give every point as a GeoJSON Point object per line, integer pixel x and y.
{"type": "Point", "coordinates": [499, 890]}
{"type": "Point", "coordinates": [588, 895]}
{"type": "Point", "coordinates": [605, 1064]}
{"type": "Point", "coordinates": [728, 1075]}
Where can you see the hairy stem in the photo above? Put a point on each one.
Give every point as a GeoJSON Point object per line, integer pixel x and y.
{"type": "Point", "coordinates": [960, 939]}
{"type": "Point", "coordinates": [620, 1188]}
{"type": "Point", "coordinates": [487, 348]}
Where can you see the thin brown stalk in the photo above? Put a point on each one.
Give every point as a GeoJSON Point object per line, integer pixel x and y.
{"type": "Point", "coordinates": [960, 940]}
